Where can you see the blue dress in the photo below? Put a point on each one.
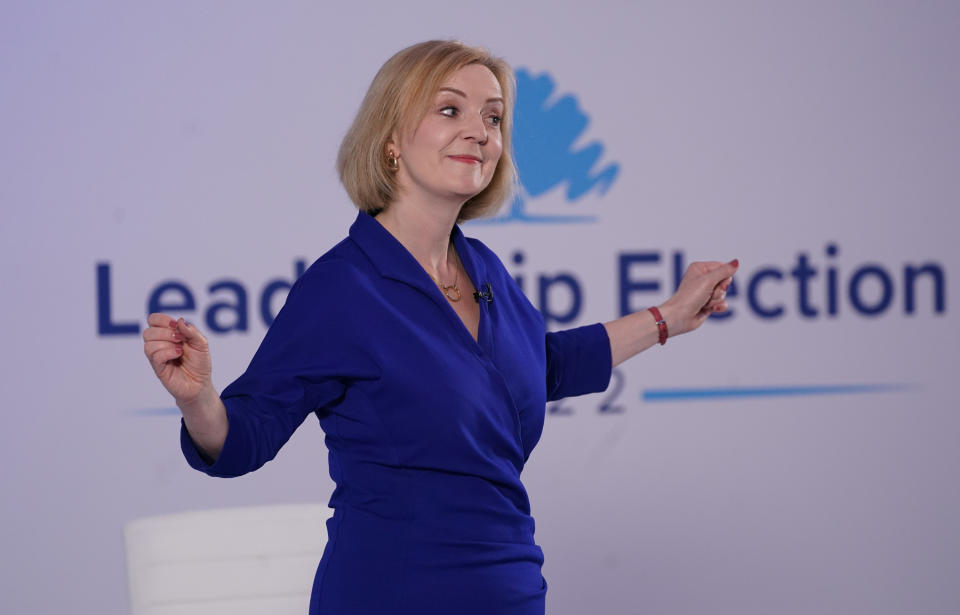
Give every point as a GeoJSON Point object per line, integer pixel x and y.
{"type": "Point", "coordinates": [427, 429]}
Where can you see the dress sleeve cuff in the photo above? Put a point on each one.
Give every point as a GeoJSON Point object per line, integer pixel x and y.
{"type": "Point", "coordinates": [234, 457]}
{"type": "Point", "coordinates": [579, 361]}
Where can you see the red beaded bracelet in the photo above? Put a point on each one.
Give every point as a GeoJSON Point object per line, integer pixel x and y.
{"type": "Point", "coordinates": [661, 324]}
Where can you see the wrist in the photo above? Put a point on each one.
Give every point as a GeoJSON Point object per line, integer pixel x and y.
{"type": "Point", "coordinates": [663, 330]}
{"type": "Point", "coordinates": [202, 405]}
{"type": "Point", "coordinates": [672, 315]}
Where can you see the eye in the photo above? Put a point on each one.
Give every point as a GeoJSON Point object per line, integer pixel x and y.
{"type": "Point", "coordinates": [495, 119]}
{"type": "Point", "coordinates": [449, 111]}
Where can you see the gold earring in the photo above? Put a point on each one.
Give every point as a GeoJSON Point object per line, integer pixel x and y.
{"type": "Point", "coordinates": [393, 163]}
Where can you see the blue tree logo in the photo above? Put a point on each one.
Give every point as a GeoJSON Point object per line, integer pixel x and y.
{"type": "Point", "coordinates": [543, 147]}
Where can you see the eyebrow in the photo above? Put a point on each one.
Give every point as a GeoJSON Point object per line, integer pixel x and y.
{"type": "Point", "coordinates": [462, 93]}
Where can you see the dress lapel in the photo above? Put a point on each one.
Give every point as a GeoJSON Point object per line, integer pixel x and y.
{"type": "Point", "coordinates": [392, 260]}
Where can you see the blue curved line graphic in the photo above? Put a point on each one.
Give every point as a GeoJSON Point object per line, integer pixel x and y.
{"type": "Point", "coordinates": [518, 213]}
{"type": "Point", "coordinates": [700, 394]}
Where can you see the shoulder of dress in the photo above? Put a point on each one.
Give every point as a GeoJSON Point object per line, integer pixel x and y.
{"type": "Point", "coordinates": [325, 297]}
{"type": "Point", "coordinates": [338, 265]}
{"type": "Point", "coordinates": [485, 254]}
{"type": "Point", "coordinates": [479, 246]}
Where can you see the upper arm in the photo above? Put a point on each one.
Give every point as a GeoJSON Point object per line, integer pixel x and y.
{"type": "Point", "coordinates": [304, 363]}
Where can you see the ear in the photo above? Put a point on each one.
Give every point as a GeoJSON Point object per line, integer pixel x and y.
{"type": "Point", "coordinates": [392, 146]}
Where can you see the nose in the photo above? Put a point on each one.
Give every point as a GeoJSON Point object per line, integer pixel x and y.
{"type": "Point", "coordinates": [476, 129]}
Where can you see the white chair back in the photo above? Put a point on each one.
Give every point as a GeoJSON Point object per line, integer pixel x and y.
{"type": "Point", "coordinates": [236, 561]}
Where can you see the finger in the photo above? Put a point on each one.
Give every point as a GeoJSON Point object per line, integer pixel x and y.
{"type": "Point", "coordinates": [724, 270]}
{"type": "Point", "coordinates": [152, 334]}
{"type": "Point", "coordinates": [160, 320]}
{"type": "Point", "coordinates": [712, 305]}
{"type": "Point", "coordinates": [712, 273]}
{"type": "Point", "coordinates": [699, 268]}
{"type": "Point", "coordinates": [159, 353]}
{"type": "Point", "coordinates": [717, 295]}
{"type": "Point", "coordinates": [725, 284]}
{"type": "Point", "coordinates": [150, 348]}
{"type": "Point", "coordinates": [191, 335]}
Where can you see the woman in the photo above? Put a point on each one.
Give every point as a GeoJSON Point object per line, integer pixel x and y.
{"type": "Point", "coordinates": [426, 366]}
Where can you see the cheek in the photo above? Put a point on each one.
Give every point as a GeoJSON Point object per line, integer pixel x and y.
{"type": "Point", "coordinates": [494, 163]}
{"type": "Point", "coordinates": [494, 148]}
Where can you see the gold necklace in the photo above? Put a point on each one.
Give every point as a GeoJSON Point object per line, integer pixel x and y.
{"type": "Point", "coordinates": [446, 288]}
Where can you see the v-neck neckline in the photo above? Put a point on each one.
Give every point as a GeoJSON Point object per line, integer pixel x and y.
{"type": "Point", "coordinates": [473, 282]}
{"type": "Point", "coordinates": [386, 252]}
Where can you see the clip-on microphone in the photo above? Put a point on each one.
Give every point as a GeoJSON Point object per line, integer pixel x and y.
{"type": "Point", "coordinates": [486, 295]}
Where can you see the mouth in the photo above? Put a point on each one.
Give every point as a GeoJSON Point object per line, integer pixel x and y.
{"type": "Point", "coordinates": [466, 158]}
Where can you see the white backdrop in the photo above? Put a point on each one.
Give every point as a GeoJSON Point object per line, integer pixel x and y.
{"type": "Point", "coordinates": [195, 142]}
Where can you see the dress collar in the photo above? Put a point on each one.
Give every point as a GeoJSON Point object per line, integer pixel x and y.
{"type": "Point", "coordinates": [392, 260]}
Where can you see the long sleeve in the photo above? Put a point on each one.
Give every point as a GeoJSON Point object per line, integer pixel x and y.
{"type": "Point", "coordinates": [578, 361]}
{"type": "Point", "coordinates": [303, 364]}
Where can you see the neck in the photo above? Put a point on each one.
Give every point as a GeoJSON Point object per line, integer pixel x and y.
{"type": "Point", "coordinates": [424, 230]}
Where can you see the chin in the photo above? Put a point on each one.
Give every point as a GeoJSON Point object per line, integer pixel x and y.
{"type": "Point", "coordinates": [466, 193]}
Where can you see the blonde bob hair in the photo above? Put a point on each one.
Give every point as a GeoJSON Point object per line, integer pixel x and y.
{"type": "Point", "coordinates": [398, 98]}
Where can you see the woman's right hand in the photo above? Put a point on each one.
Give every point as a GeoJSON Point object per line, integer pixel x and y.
{"type": "Point", "coordinates": [180, 357]}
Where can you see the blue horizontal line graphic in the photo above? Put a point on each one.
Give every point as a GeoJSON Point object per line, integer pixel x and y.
{"type": "Point", "coordinates": [692, 394]}
{"type": "Point", "coordinates": [696, 394]}
{"type": "Point", "coordinates": [171, 411]}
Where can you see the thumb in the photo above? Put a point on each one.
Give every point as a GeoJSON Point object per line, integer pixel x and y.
{"type": "Point", "coordinates": [724, 271]}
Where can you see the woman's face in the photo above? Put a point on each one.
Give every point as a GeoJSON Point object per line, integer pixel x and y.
{"type": "Point", "coordinates": [454, 151]}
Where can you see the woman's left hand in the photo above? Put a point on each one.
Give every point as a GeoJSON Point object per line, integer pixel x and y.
{"type": "Point", "coordinates": [702, 291]}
